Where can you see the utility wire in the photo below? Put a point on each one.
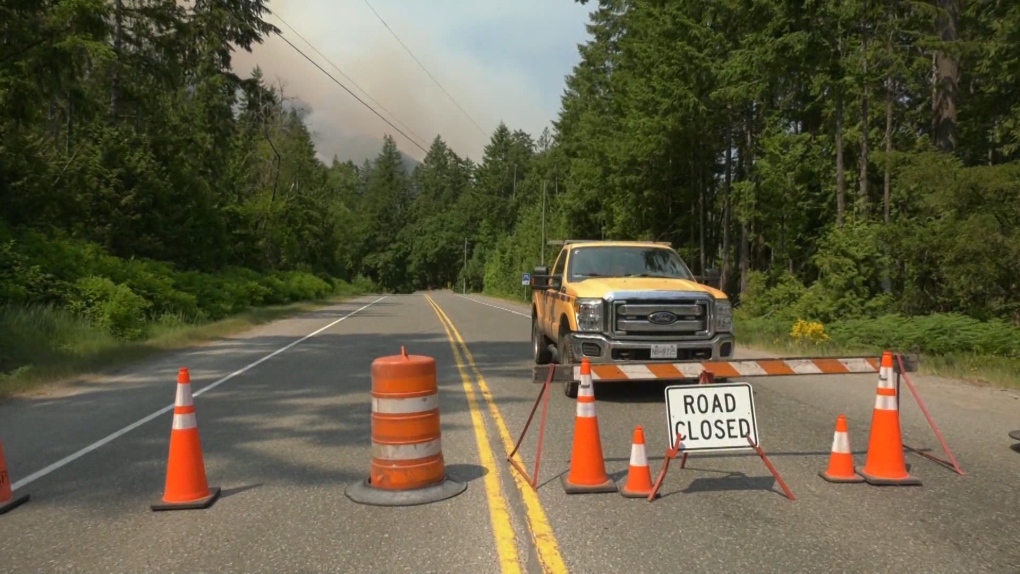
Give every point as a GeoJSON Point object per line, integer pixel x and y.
{"type": "Point", "coordinates": [346, 89]}
{"type": "Point", "coordinates": [348, 78]}
{"type": "Point", "coordinates": [408, 50]}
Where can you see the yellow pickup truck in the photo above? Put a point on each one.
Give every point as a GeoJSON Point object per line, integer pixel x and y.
{"type": "Point", "coordinates": [626, 302]}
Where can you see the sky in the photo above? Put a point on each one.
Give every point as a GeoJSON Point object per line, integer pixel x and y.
{"type": "Point", "coordinates": [499, 60]}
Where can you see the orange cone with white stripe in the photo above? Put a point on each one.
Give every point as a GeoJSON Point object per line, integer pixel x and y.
{"type": "Point", "coordinates": [885, 464]}
{"type": "Point", "coordinates": [8, 501]}
{"type": "Point", "coordinates": [841, 461]}
{"type": "Point", "coordinates": [587, 465]}
{"type": "Point", "coordinates": [186, 486]}
{"type": "Point", "coordinates": [639, 475]}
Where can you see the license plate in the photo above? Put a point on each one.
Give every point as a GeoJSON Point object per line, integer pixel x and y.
{"type": "Point", "coordinates": [663, 351]}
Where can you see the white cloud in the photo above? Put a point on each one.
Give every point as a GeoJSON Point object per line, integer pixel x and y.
{"type": "Point", "coordinates": [500, 61]}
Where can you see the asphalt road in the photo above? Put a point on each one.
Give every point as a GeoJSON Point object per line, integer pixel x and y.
{"type": "Point", "coordinates": [284, 433]}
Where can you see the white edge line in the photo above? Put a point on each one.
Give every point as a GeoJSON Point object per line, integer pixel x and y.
{"type": "Point", "coordinates": [75, 456]}
{"type": "Point", "coordinates": [525, 315]}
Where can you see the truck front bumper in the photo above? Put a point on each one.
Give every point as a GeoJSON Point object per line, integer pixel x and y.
{"type": "Point", "coordinates": [597, 348]}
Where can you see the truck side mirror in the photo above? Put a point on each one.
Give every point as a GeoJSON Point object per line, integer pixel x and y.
{"type": "Point", "coordinates": [540, 278]}
{"type": "Point", "coordinates": [712, 277]}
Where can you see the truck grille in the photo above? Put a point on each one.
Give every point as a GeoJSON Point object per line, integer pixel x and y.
{"type": "Point", "coordinates": [670, 318]}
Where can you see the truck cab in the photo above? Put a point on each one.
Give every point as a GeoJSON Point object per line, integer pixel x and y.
{"type": "Point", "coordinates": [626, 302]}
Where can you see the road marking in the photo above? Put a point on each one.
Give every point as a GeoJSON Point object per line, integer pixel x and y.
{"type": "Point", "coordinates": [75, 456]}
{"type": "Point", "coordinates": [540, 528]}
{"type": "Point", "coordinates": [499, 514]}
{"type": "Point", "coordinates": [525, 315]}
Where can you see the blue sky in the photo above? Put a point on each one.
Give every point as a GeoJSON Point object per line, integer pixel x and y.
{"type": "Point", "coordinates": [499, 60]}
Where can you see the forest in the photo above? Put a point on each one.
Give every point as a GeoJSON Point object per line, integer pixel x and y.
{"type": "Point", "coordinates": [851, 166]}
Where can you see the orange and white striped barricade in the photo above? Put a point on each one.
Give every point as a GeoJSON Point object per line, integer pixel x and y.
{"type": "Point", "coordinates": [407, 466]}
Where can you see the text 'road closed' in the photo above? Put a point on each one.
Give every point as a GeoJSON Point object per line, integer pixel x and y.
{"type": "Point", "coordinates": [712, 417]}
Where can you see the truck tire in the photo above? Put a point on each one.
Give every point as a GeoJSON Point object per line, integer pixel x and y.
{"type": "Point", "coordinates": [540, 345]}
{"type": "Point", "coordinates": [566, 357]}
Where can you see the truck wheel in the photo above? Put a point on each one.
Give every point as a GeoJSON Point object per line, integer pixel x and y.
{"type": "Point", "coordinates": [540, 345]}
{"type": "Point", "coordinates": [566, 356]}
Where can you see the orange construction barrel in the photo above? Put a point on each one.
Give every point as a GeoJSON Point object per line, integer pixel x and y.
{"type": "Point", "coordinates": [407, 464]}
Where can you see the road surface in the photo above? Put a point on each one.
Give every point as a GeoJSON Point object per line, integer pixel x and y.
{"type": "Point", "coordinates": [284, 424]}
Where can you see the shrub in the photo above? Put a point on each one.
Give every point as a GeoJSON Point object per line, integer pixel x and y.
{"type": "Point", "coordinates": [111, 306]}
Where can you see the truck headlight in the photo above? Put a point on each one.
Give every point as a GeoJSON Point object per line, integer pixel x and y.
{"type": "Point", "coordinates": [589, 315]}
{"type": "Point", "coordinates": [723, 316]}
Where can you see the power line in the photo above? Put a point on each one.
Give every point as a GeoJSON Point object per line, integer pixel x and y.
{"type": "Point", "coordinates": [346, 89]}
{"type": "Point", "coordinates": [348, 78]}
{"type": "Point", "coordinates": [408, 50]}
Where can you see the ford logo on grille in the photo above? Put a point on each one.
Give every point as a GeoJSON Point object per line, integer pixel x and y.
{"type": "Point", "coordinates": [662, 318]}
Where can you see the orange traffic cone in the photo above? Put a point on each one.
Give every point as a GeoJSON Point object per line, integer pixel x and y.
{"type": "Point", "coordinates": [8, 501]}
{"type": "Point", "coordinates": [186, 486]}
{"type": "Point", "coordinates": [841, 461]}
{"type": "Point", "coordinates": [587, 466]}
{"type": "Point", "coordinates": [885, 464]}
{"type": "Point", "coordinates": [639, 476]}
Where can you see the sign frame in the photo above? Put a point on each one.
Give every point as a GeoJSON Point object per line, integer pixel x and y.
{"type": "Point", "coordinates": [713, 390]}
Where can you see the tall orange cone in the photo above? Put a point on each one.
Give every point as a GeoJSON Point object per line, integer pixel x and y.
{"type": "Point", "coordinates": [186, 486]}
{"type": "Point", "coordinates": [8, 501]}
{"type": "Point", "coordinates": [587, 465]}
{"type": "Point", "coordinates": [885, 464]}
{"type": "Point", "coordinates": [841, 461]}
{"type": "Point", "coordinates": [639, 476]}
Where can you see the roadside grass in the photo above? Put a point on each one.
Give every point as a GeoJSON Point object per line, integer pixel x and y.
{"type": "Point", "coordinates": [41, 345]}
{"type": "Point", "coordinates": [974, 368]}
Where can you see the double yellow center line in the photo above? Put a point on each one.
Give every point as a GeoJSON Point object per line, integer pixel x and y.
{"type": "Point", "coordinates": [538, 525]}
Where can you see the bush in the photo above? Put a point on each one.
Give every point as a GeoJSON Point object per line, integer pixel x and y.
{"type": "Point", "coordinates": [124, 298]}
{"type": "Point", "coordinates": [111, 306]}
{"type": "Point", "coordinates": [939, 334]}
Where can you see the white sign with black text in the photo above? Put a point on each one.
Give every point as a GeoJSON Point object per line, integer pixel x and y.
{"type": "Point", "coordinates": [711, 417]}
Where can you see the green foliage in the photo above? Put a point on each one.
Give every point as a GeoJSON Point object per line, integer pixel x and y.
{"type": "Point", "coordinates": [948, 334]}
{"type": "Point", "coordinates": [126, 299]}
{"type": "Point", "coordinates": [801, 148]}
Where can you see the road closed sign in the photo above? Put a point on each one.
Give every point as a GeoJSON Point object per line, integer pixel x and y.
{"type": "Point", "coordinates": [711, 417]}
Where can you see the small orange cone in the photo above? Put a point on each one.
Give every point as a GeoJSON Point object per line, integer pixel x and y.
{"type": "Point", "coordinates": [841, 461]}
{"type": "Point", "coordinates": [639, 476]}
{"type": "Point", "coordinates": [8, 501]}
{"type": "Point", "coordinates": [186, 486]}
{"type": "Point", "coordinates": [587, 465]}
{"type": "Point", "coordinates": [885, 464]}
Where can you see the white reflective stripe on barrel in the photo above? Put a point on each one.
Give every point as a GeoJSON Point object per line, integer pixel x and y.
{"type": "Point", "coordinates": [886, 403]}
{"type": "Point", "coordinates": [184, 398]}
{"type": "Point", "coordinates": [185, 421]}
{"type": "Point", "coordinates": [841, 443]}
{"type": "Point", "coordinates": [407, 451]}
{"type": "Point", "coordinates": [405, 406]}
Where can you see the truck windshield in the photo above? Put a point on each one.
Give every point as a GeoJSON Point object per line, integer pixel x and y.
{"type": "Point", "coordinates": [627, 261]}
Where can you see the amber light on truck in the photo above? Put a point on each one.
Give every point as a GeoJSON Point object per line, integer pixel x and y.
{"type": "Point", "coordinates": [723, 316]}
{"type": "Point", "coordinates": [589, 314]}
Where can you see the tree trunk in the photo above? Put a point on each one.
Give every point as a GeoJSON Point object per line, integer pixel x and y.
{"type": "Point", "coordinates": [887, 183]}
{"type": "Point", "coordinates": [725, 272]}
{"type": "Point", "coordinates": [118, 42]}
{"type": "Point", "coordinates": [748, 160]}
{"type": "Point", "coordinates": [947, 78]}
{"type": "Point", "coordinates": [864, 120]}
{"type": "Point", "coordinates": [840, 171]}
